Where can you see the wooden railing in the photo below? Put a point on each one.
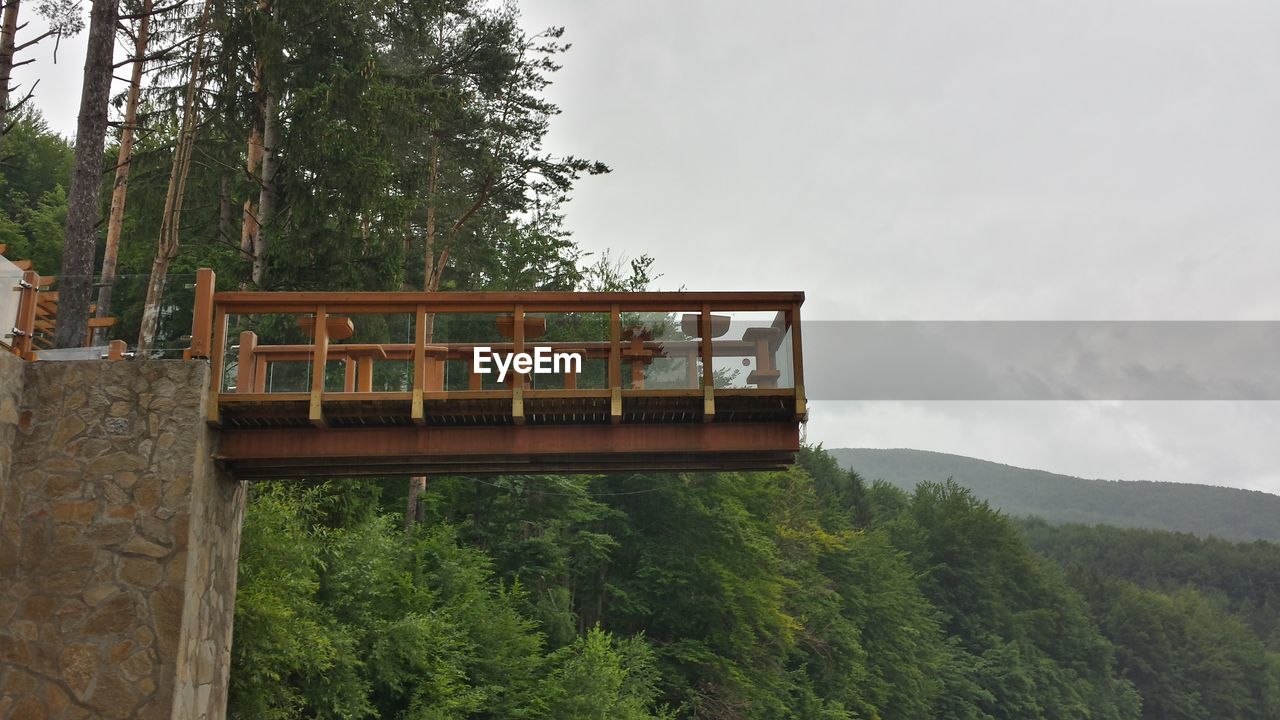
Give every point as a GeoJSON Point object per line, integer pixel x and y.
{"type": "Point", "coordinates": [20, 339]}
{"type": "Point", "coordinates": [37, 312]}
{"type": "Point", "coordinates": [707, 331]}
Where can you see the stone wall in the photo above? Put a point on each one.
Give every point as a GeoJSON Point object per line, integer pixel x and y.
{"type": "Point", "coordinates": [118, 545]}
{"type": "Point", "coordinates": [11, 383]}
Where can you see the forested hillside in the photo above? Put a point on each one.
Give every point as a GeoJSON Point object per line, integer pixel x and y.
{"type": "Point", "coordinates": [1202, 510]}
{"type": "Point", "coordinates": [1192, 620]}
{"type": "Point", "coordinates": [800, 594]}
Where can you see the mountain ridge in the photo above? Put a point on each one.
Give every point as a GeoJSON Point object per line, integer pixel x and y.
{"type": "Point", "coordinates": [1202, 510]}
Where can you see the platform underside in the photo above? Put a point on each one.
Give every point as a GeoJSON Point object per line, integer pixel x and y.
{"type": "Point", "coordinates": [539, 449]}
{"type": "Point", "coordinates": [375, 434]}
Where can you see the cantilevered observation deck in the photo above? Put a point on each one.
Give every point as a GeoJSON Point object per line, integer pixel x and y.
{"type": "Point", "coordinates": [331, 384]}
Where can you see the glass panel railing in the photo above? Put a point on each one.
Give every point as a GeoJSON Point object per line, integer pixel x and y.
{"type": "Point", "coordinates": [126, 298]}
{"type": "Point", "coordinates": [375, 352]}
{"type": "Point", "coordinates": [660, 351]}
{"type": "Point", "coordinates": [752, 349]}
{"type": "Point", "coordinates": [460, 334]}
{"type": "Point", "coordinates": [278, 345]}
{"type": "Point", "coordinates": [656, 350]}
{"type": "Point", "coordinates": [584, 335]}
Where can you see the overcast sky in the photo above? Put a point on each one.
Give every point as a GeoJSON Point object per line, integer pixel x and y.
{"type": "Point", "coordinates": [901, 159]}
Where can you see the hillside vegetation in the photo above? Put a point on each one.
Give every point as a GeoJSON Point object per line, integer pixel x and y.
{"type": "Point", "coordinates": [1198, 509]}
{"type": "Point", "coordinates": [801, 594]}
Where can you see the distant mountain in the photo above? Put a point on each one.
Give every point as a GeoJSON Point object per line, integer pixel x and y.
{"type": "Point", "coordinates": [1203, 510]}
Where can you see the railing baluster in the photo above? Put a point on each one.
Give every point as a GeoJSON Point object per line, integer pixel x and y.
{"type": "Point", "coordinates": [416, 412]}
{"type": "Point", "coordinates": [246, 363]}
{"type": "Point", "coordinates": [517, 379]}
{"type": "Point", "coordinates": [708, 375]}
{"type": "Point", "coordinates": [320, 357]}
{"type": "Point", "coordinates": [615, 364]}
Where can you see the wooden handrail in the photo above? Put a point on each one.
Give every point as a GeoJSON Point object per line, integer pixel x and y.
{"type": "Point", "coordinates": [502, 302]}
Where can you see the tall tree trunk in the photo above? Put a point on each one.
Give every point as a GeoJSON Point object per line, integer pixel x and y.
{"type": "Point", "coordinates": [224, 207]}
{"type": "Point", "coordinates": [75, 282]}
{"type": "Point", "coordinates": [413, 511]}
{"type": "Point", "coordinates": [8, 39]}
{"type": "Point", "coordinates": [170, 223]}
{"type": "Point", "coordinates": [250, 224]}
{"type": "Point", "coordinates": [267, 194]}
{"type": "Point", "coordinates": [115, 220]}
{"type": "Point", "coordinates": [430, 283]}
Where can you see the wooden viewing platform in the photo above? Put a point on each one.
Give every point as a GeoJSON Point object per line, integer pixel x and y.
{"type": "Point", "coordinates": [314, 384]}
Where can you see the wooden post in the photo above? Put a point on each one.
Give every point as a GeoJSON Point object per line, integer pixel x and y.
{"type": "Point", "coordinates": [364, 373]}
{"type": "Point", "coordinates": [797, 363]}
{"type": "Point", "coordinates": [570, 377]}
{"type": "Point", "coordinates": [216, 361]}
{"type": "Point", "coordinates": [246, 362]}
{"type": "Point", "coordinates": [348, 374]}
{"type": "Point", "coordinates": [517, 390]}
{"type": "Point", "coordinates": [116, 350]}
{"type": "Point", "coordinates": [28, 306]}
{"type": "Point", "coordinates": [615, 364]}
{"type": "Point", "coordinates": [260, 374]}
{"type": "Point", "coordinates": [416, 412]}
{"type": "Point", "coordinates": [708, 377]}
{"type": "Point", "coordinates": [319, 358]}
{"type": "Point", "coordinates": [765, 340]}
{"type": "Point", "coordinates": [202, 316]}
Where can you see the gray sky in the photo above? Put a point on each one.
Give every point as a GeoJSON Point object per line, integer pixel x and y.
{"type": "Point", "coordinates": [902, 159]}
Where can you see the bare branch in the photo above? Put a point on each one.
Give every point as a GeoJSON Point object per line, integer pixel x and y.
{"type": "Point", "coordinates": [159, 54]}
{"type": "Point", "coordinates": [18, 105]}
{"type": "Point", "coordinates": [154, 11]}
{"type": "Point", "coordinates": [34, 40]}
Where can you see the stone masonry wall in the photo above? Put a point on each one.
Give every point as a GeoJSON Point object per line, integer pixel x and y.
{"type": "Point", "coordinates": [118, 544]}
{"type": "Point", "coordinates": [11, 384]}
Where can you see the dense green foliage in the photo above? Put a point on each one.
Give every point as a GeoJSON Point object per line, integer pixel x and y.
{"type": "Point", "coordinates": [33, 191]}
{"type": "Point", "coordinates": [1196, 622]}
{"type": "Point", "coordinates": [800, 594]}
{"type": "Point", "coordinates": [1203, 510]}
{"type": "Point", "coordinates": [339, 616]}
